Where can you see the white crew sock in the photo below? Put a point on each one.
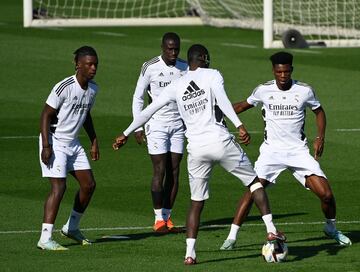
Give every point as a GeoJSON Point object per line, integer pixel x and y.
{"type": "Point", "coordinates": [158, 214]}
{"type": "Point", "coordinates": [233, 232]}
{"type": "Point", "coordinates": [46, 232]}
{"type": "Point", "coordinates": [190, 248]}
{"type": "Point", "coordinates": [267, 218]}
{"type": "Point", "coordinates": [330, 225]}
{"type": "Point", "coordinates": [166, 213]}
{"type": "Point", "coordinates": [73, 221]}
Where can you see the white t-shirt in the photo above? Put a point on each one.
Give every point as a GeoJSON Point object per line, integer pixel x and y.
{"type": "Point", "coordinates": [155, 75]}
{"type": "Point", "coordinates": [284, 113]}
{"type": "Point", "coordinates": [72, 104]}
{"type": "Point", "coordinates": [201, 100]}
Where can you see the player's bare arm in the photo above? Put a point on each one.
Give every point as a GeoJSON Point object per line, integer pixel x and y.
{"type": "Point", "coordinates": [321, 127]}
{"type": "Point", "coordinates": [241, 106]}
{"type": "Point", "coordinates": [244, 136]}
{"type": "Point", "coordinates": [47, 114]}
{"type": "Point", "coordinates": [119, 141]}
{"type": "Point", "coordinates": [140, 136]}
{"type": "Point", "coordinates": [90, 130]}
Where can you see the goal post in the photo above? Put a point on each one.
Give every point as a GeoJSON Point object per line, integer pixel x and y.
{"type": "Point", "coordinates": [331, 23]}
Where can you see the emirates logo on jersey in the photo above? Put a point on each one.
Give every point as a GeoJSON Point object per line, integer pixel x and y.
{"type": "Point", "coordinates": [192, 91]}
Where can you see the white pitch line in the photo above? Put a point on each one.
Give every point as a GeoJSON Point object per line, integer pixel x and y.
{"type": "Point", "coordinates": [250, 131]}
{"type": "Point", "coordinates": [52, 28]}
{"type": "Point", "coordinates": [306, 51]}
{"type": "Point", "coordinates": [19, 137]}
{"type": "Point", "coordinates": [239, 45]}
{"type": "Point", "coordinates": [233, 132]}
{"type": "Point", "coordinates": [201, 227]}
{"type": "Point", "coordinates": [186, 40]}
{"type": "Point", "coordinates": [114, 34]}
{"type": "Point", "coordinates": [347, 129]}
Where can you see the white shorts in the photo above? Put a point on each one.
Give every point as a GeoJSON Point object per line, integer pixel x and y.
{"type": "Point", "coordinates": [271, 163]}
{"type": "Point", "coordinates": [162, 139]}
{"type": "Point", "coordinates": [228, 154]}
{"type": "Point", "coordinates": [66, 157]}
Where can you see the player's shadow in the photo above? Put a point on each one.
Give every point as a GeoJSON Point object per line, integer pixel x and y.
{"type": "Point", "coordinates": [228, 221]}
{"type": "Point", "coordinates": [299, 253]}
{"type": "Point", "coordinates": [324, 244]}
{"type": "Point", "coordinates": [229, 259]}
{"type": "Point", "coordinates": [134, 236]}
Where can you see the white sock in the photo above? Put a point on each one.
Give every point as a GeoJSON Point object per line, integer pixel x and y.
{"type": "Point", "coordinates": [267, 218]}
{"type": "Point", "coordinates": [330, 225]}
{"type": "Point", "coordinates": [158, 214]}
{"type": "Point", "coordinates": [233, 232]}
{"type": "Point", "coordinates": [166, 214]}
{"type": "Point", "coordinates": [190, 248]}
{"type": "Point", "coordinates": [73, 221]}
{"type": "Point", "coordinates": [46, 232]}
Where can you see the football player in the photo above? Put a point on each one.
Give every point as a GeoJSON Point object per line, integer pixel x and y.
{"type": "Point", "coordinates": [285, 146]}
{"type": "Point", "coordinates": [164, 132]}
{"type": "Point", "coordinates": [66, 110]}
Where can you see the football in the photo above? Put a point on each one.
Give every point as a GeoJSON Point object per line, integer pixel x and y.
{"type": "Point", "coordinates": [275, 252]}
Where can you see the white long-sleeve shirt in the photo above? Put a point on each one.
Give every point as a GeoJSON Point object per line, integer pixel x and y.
{"type": "Point", "coordinates": [202, 102]}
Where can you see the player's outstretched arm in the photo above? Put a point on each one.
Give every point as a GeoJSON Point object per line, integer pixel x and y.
{"type": "Point", "coordinates": [241, 106]}
{"type": "Point", "coordinates": [321, 127]}
{"type": "Point", "coordinates": [244, 136]}
{"type": "Point", "coordinates": [119, 141]}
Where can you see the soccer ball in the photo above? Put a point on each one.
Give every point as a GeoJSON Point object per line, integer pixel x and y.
{"type": "Point", "coordinates": [275, 252]}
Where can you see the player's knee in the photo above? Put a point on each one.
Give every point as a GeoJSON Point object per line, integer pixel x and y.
{"type": "Point", "coordinates": [156, 185]}
{"type": "Point", "coordinates": [327, 197]}
{"type": "Point", "coordinates": [89, 187]}
{"type": "Point", "coordinates": [58, 193]}
{"type": "Point", "coordinates": [159, 174]}
{"type": "Point", "coordinates": [58, 189]}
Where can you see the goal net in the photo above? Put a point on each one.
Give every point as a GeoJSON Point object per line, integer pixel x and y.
{"type": "Point", "coordinates": [334, 22]}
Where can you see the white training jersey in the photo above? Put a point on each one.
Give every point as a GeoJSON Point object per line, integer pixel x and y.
{"type": "Point", "coordinates": [202, 102]}
{"type": "Point", "coordinates": [155, 75]}
{"type": "Point", "coordinates": [72, 104]}
{"type": "Point", "coordinates": [284, 112]}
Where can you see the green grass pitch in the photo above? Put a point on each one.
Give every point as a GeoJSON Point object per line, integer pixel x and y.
{"type": "Point", "coordinates": [33, 60]}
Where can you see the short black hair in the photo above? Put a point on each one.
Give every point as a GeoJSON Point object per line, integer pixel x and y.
{"type": "Point", "coordinates": [84, 51]}
{"type": "Point", "coordinates": [170, 36]}
{"type": "Point", "coordinates": [196, 51]}
{"type": "Point", "coordinates": [281, 58]}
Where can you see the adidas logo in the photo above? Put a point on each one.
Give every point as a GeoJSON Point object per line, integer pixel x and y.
{"type": "Point", "coordinates": [192, 91]}
{"type": "Point", "coordinates": [161, 74]}
{"type": "Point", "coordinates": [271, 98]}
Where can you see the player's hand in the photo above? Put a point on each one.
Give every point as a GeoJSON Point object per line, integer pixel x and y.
{"type": "Point", "coordinates": [94, 151]}
{"type": "Point", "coordinates": [244, 136]}
{"type": "Point", "coordinates": [318, 147]}
{"type": "Point", "coordinates": [140, 137]}
{"type": "Point", "coordinates": [119, 141]}
{"type": "Point", "coordinates": [46, 155]}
